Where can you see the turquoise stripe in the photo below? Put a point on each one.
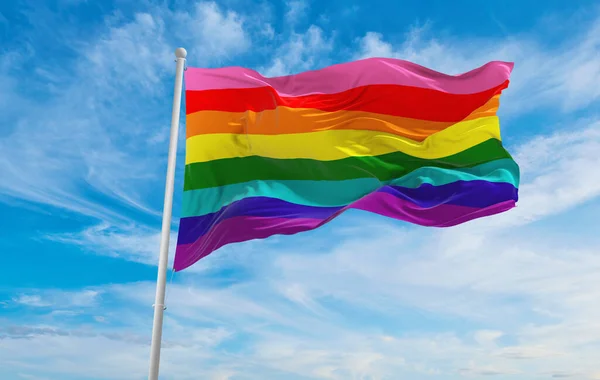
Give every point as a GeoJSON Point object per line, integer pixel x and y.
{"type": "Point", "coordinates": [339, 193]}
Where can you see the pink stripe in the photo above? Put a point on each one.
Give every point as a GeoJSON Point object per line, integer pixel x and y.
{"type": "Point", "coordinates": [345, 76]}
{"type": "Point", "coordinates": [244, 228]}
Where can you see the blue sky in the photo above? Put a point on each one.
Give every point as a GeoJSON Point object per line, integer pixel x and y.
{"type": "Point", "coordinates": [84, 120]}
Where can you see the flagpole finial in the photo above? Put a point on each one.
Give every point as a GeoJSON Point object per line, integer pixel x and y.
{"type": "Point", "coordinates": [180, 53]}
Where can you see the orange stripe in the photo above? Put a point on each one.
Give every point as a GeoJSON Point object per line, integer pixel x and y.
{"type": "Point", "coordinates": [284, 120]}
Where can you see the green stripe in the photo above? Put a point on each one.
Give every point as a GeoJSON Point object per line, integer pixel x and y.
{"type": "Point", "coordinates": [385, 167]}
{"type": "Point", "coordinates": [339, 193]}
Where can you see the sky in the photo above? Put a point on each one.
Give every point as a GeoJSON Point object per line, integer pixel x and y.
{"type": "Point", "coordinates": [85, 112]}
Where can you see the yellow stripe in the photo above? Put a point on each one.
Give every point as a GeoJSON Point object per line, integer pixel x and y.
{"type": "Point", "coordinates": [338, 144]}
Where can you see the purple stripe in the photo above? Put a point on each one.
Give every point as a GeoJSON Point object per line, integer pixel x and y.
{"type": "Point", "coordinates": [459, 193]}
{"type": "Point", "coordinates": [476, 194]}
{"type": "Point", "coordinates": [244, 228]}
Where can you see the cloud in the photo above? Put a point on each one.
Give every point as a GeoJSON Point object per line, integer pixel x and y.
{"type": "Point", "coordinates": [259, 334]}
{"type": "Point", "coordinates": [59, 299]}
{"type": "Point", "coordinates": [302, 51]}
{"type": "Point", "coordinates": [62, 147]}
{"type": "Point", "coordinates": [133, 243]}
{"type": "Point", "coordinates": [569, 152]}
{"type": "Point", "coordinates": [34, 300]}
{"type": "Point", "coordinates": [215, 34]}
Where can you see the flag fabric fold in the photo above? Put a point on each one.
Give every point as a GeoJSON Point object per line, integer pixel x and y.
{"type": "Point", "coordinates": [267, 156]}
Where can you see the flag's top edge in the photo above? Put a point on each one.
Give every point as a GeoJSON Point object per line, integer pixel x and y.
{"type": "Point", "coordinates": [345, 76]}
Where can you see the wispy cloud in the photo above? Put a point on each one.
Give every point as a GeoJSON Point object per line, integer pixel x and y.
{"type": "Point", "coordinates": [133, 243]}
{"type": "Point", "coordinates": [59, 299]}
{"type": "Point", "coordinates": [302, 51]}
{"type": "Point", "coordinates": [33, 300]}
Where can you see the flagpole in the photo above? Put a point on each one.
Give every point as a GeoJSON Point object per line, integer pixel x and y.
{"type": "Point", "coordinates": [161, 282]}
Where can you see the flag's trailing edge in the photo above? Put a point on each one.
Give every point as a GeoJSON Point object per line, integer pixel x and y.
{"type": "Point", "coordinates": [267, 156]}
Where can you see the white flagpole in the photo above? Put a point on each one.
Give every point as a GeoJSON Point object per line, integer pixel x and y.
{"type": "Point", "coordinates": [161, 282]}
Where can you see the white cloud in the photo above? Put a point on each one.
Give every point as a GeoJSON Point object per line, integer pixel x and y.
{"type": "Point", "coordinates": [62, 146]}
{"type": "Point", "coordinates": [214, 33]}
{"type": "Point", "coordinates": [570, 152]}
{"type": "Point", "coordinates": [135, 52]}
{"type": "Point", "coordinates": [131, 243]}
{"type": "Point", "coordinates": [34, 300]}
{"type": "Point", "coordinates": [59, 299]}
{"type": "Point", "coordinates": [302, 51]}
{"type": "Point", "coordinates": [372, 45]}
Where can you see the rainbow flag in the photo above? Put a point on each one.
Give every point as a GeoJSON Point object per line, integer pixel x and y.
{"type": "Point", "coordinates": [267, 156]}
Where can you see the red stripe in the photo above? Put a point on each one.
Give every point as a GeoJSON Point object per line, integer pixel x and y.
{"type": "Point", "coordinates": [410, 102]}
